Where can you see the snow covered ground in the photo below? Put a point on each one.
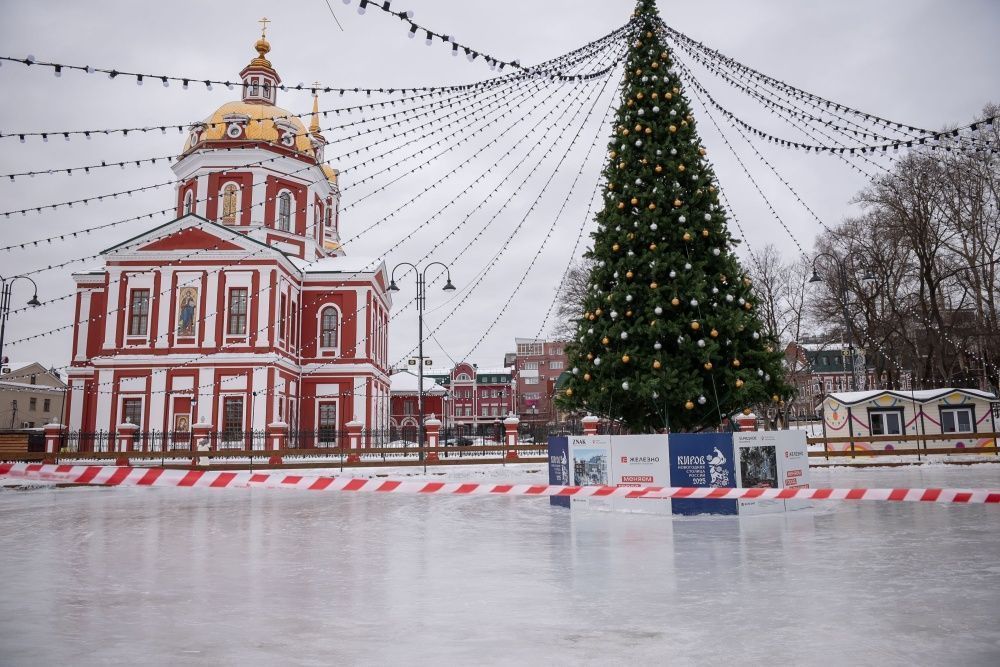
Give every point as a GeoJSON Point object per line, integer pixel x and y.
{"type": "Point", "coordinates": [167, 576]}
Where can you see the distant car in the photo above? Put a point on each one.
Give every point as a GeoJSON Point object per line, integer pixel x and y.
{"type": "Point", "coordinates": [463, 442]}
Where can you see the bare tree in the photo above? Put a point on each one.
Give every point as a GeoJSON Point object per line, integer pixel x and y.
{"type": "Point", "coordinates": [569, 300]}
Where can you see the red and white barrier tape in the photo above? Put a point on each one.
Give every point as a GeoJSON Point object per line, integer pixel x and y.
{"type": "Point", "coordinates": [126, 476]}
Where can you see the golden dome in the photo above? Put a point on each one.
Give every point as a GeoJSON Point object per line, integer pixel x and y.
{"type": "Point", "coordinates": [331, 173]}
{"type": "Point", "coordinates": [260, 128]}
{"type": "Point", "coordinates": [262, 47]}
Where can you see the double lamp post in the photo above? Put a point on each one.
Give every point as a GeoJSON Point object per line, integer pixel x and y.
{"type": "Point", "coordinates": [421, 302]}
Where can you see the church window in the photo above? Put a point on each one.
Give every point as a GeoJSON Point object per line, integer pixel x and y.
{"type": "Point", "coordinates": [254, 87]}
{"type": "Point", "coordinates": [132, 411]}
{"type": "Point", "coordinates": [229, 204]}
{"type": "Point", "coordinates": [329, 217]}
{"type": "Point", "coordinates": [329, 325]}
{"type": "Point", "coordinates": [284, 211]}
{"type": "Point", "coordinates": [138, 322]}
{"type": "Point", "coordinates": [189, 202]}
{"type": "Point", "coordinates": [237, 322]}
{"type": "Point", "coordinates": [267, 89]}
{"type": "Point", "coordinates": [281, 317]}
{"type": "Point", "coordinates": [327, 423]}
{"type": "Point", "coordinates": [232, 418]}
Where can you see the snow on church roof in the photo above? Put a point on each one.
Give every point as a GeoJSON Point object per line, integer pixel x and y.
{"type": "Point", "coordinates": [339, 264]}
{"type": "Point", "coordinates": [406, 382]}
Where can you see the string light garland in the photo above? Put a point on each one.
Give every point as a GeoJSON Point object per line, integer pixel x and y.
{"type": "Point", "coordinates": [471, 53]}
{"type": "Point", "coordinates": [214, 314]}
{"type": "Point", "coordinates": [186, 81]}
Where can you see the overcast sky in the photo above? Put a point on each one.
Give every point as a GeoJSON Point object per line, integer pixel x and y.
{"type": "Point", "coordinates": [921, 62]}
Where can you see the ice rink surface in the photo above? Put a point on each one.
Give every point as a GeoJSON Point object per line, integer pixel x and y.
{"type": "Point", "coordinates": [181, 576]}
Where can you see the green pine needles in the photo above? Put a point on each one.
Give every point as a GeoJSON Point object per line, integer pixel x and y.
{"type": "Point", "coordinates": [668, 337]}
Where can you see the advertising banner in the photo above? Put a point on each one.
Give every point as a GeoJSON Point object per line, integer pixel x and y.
{"type": "Point", "coordinates": [772, 460]}
{"type": "Point", "coordinates": [702, 459]}
{"type": "Point", "coordinates": [559, 466]}
{"type": "Point", "coordinates": [793, 465]}
{"type": "Point", "coordinates": [640, 460]}
{"type": "Point", "coordinates": [757, 467]}
{"type": "Point", "coordinates": [590, 464]}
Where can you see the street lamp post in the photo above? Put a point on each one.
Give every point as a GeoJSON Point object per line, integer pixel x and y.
{"type": "Point", "coordinates": [421, 302]}
{"type": "Point", "coordinates": [842, 273]}
{"type": "Point", "coordinates": [6, 286]}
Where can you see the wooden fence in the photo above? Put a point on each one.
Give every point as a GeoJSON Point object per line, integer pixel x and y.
{"type": "Point", "coordinates": [920, 449]}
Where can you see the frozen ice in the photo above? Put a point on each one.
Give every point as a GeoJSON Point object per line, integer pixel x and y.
{"type": "Point", "coordinates": [201, 576]}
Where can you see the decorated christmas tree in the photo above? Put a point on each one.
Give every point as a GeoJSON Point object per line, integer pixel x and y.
{"type": "Point", "coordinates": [668, 337]}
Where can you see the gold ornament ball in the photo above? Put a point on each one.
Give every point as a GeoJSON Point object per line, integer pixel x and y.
{"type": "Point", "coordinates": [628, 313]}
{"type": "Point", "coordinates": [629, 103]}
{"type": "Point", "coordinates": [631, 236]}
{"type": "Point", "coordinates": [604, 341]}
{"type": "Point", "coordinates": [652, 246]}
{"type": "Point", "coordinates": [668, 96]}
{"type": "Point", "coordinates": [628, 274]}
{"type": "Point", "coordinates": [613, 155]}
{"type": "Point", "coordinates": [640, 95]}
{"type": "Point", "coordinates": [586, 377]}
{"type": "Point", "coordinates": [711, 188]}
{"type": "Point", "coordinates": [638, 71]}
{"type": "Point", "coordinates": [652, 207]}
{"type": "Point", "coordinates": [598, 312]}
{"type": "Point", "coordinates": [654, 64]}
{"type": "Point", "coordinates": [746, 411]}
{"type": "Point", "coordinates": [635, 201]}
{"type": "Point", "coordinates": [649, 35]}
{"type": "Point", "coordinates": [704, 233]}
{"type": "Point", "coordinates": [615, 247]}
{"type": "Point", "coordinates": [655, 96]}
{"type": "Point", "coordinates": [673, 128]}
{"type": "Point", "coordinates": [736, 363]}
{"type": "Point", "coordinates": [681, 168]}
{"type": "Point", "coordinates": [625, 132]}
{"type": "Point", "coordinates": [638, 127]}
{"type": "Point", "coordinates": [687, 236]}
{"type": "Point", "coordinates": [569, 391]}
{"type": "Point", "coordinates": [658, 169]}
{"type": "Point", "coordinates": [708, 365]}
{"type": "Point", "coordinates": [677, 91]}
{"type": "Point", "coordinates": [621, 205]}
{"type": "Point", "coordinates": [653, 285]}
{"type": "Point", "coordinates": [675, 301]}
{"type": "Point", "coordinates": [590, 356]}
{"type": "Point", "coordinates": [702, 151]}
{"type": "Point", "coordinates": [775, 398]}
{"type": "Point", "coordinates": [644, 161]}
{"type": "Point", "coordinates": [625, 358]}
{"type": "Point", "coordinates": [591, 317]}
{"type": "Point", "coordinates": [695, 325]}
{"type": "Point", "coordinates": [689, 405]}
{"type": "Point", "coordinates": [739, 383]}
{"type": "Point", "coordinates": [621, 165]}
{"type": "Point", "coordinates": [677, 203]}
{"type": "Point", "coordinates": [747, 282]}
{"type": "Point", "coordinates": [656, 364]}
{"type": "Point", "coordinates": [684, 123]}
{"type": "Point", "coordinates": [663, 55]}
{"type": "Point", "coordinates": [747, 305]}
{"type": "Point", "coordinates": [713, 333]}
{"type": "Point", "coordinates": [649, 130]}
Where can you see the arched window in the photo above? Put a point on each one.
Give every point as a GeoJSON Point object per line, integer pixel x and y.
{"type": "Point", "coordinates": [189, 202]}
{"type": "Point", "coordinates": [329, 216]}
{"type": "Point", "coordinates": [284, 211]}
{"type": "Point", "coordinates": [329, 328]}
{"type": "Point", "coordinates": [229, 204]}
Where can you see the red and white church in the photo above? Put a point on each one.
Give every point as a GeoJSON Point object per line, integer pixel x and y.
{"type": "Point", "coordinates": [243, 311]}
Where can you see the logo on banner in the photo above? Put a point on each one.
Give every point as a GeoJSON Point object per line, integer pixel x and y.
{"type": "Point", "coordinates": [718, 474]}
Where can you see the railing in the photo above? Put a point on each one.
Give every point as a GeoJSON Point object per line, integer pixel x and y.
{"type": "Point", "coordinates": [857, 445]}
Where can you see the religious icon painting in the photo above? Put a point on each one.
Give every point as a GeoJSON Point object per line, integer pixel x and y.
{"type": "Point", "coordinates": [187, 311]}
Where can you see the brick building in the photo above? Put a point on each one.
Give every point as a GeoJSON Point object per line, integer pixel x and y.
{"type": "Point", "coordinates": [479, 398]}
{"type": "Point", "coordinates": [404, 411]}
{"type": "Point", "coordinates": [31, 395]}
{"type": "Point", "coordinates": [539, 364]}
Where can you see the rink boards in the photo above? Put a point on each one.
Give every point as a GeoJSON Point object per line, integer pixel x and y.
{"type": "Point", "coordinates": [762, 459]}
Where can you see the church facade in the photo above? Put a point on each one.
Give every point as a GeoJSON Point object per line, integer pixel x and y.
{"type": "Point", "coordinates": [244, 310]}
